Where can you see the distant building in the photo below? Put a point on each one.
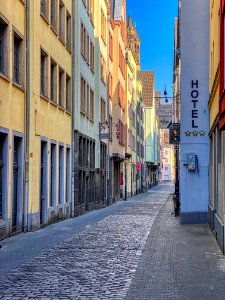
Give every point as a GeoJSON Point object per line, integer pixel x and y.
{"type": "Point", "coordinates": [166, 153]}
{"type": "Point", "coordinates": [151, 129]}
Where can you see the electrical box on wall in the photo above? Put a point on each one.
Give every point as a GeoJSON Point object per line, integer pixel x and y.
{"type": "Point", "coordinates": [192, 162]}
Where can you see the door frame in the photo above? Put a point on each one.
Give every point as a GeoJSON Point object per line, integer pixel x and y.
{"type": "Point", "coordinates": [19, 212]}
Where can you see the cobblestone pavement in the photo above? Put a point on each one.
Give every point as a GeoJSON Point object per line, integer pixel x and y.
{"type": "Point", "coordinates": [180, 262]}
{"type": "Point", "coordinates": [98, 263]}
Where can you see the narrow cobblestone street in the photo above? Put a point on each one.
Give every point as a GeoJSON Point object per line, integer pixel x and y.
{"type": "Point", "coordinates": [139, 251]}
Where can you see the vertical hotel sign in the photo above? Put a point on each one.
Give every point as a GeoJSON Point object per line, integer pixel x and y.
{"type": "Point", "coordinates": [194, 109]}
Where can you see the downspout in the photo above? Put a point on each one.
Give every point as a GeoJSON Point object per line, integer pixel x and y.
{"type": "Point", "coordinates": [27, 119]}
{"type": "Point", "coordinates": [73, 111]}
{"type": "Point", "coordinates": [108, 102]}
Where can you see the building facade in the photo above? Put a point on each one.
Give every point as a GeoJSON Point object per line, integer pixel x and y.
{"type": "Point", "coordinates": [151, 130]}
{"type": "Point", "coordinates": [118, 21]}
{"type": "Point", "coordinates": [194, 139]}
{"type": "Point", "coordinates": [35, 177]}
{"type": "Point", "coordinates": [12, 121]}
{"type": "Point", "coordinates": [215, 208]}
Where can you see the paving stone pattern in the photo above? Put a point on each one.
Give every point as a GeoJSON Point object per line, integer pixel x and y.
{"type": "Point", "coordinates": [98, 263]}
{"type": "Point", "coordinates": [180, 262]}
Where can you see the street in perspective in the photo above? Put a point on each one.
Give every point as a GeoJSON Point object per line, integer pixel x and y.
{"type": "Point", "coordinates": [112, 149]}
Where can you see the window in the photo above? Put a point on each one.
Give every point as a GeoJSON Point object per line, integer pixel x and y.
{"type": "Point", "coordinates": [62, 21]}
{"type": "Point", "coordinates": [3, 47]}
{"type": "Point", "coordinates": [121, 96]}
{"type": "Point", "coordinates": [103, 26]}
{"type": "Point", "coordinates": [103, 69]}
{"type": "Point", "coordinates": [54, 14]}
{"type": "Point", "coordinates": [61, 175]}
{"type": "Point", "coordinates": [53, 85]}
{"type": "Point", "coordinates": [83, 40]}
{"type": "Point", "coordinates": [53, 175]}
{"type": "Point", "coordinates": [44, 74]}
{"type": "Point", "coordinates": [121, 133]}
{"type": "Point", "coordinates": [68, 93]}
{"type": "Point", "coordinates": [110, 86]}
{"type": "Point", "coordinates": [110, 128]}
{"type": "Point", "coordinates": [88, 6]}
{"type": "Point", "coordinates": [82, 94]}
{"type": "Point", "coordinates": [121, 61]}
{"type": "Point", "coordinates": [88, 50]}
{"type": "Point", "coordinates": [91, 104]}
{"type": "Point", "coordinates": [68, 175]}
{"type": "Point", "coordinates": [92, 57]}
{"type": "Point", "coordinates": [68, 30]}
{"type": "Point", "coordinates": [92, 11]}
{"type": "Point", "coordinates": [61, 87]}
{"type": "Point", "coordinates": [44, 8]}
{"type": "Point", "coordinates": [103, 112]}
{"type": "Point", "coordinates": [18, 59]}
{"type": "Point", "coordinates": [87, 100]}
{"type": "Point", "coordinates": [110, 46]}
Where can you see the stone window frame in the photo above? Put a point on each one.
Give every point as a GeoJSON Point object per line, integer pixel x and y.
{"type": "Point", "coordinates": [61, 87]}
{"type": "Point", "coordinates": [5, 192]}
{"type": "Point", "coordinates": [4, 21]}
{"type": "Point", "coordinates": [62, 21]}
{"type": "Point", "coordinates": [68, 99]}
{"type": "Point", "coordinates": [17, 35]}
{"type": "Point", "coordinates": [46, 69]}
{"type": "Point", "coordinates": [45, 14]}
{"type": "Point", "coordinates": [68, 31]}
{"type": "Point", "coordinates": [53, 62]}
{"type": "Point", "coordinates": [54, 23]}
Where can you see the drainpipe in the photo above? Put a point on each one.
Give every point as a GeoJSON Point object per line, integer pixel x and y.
{"type": "Point", "coordinates": [27, 119]}
{"type": "Point", "coordinates": [73, 110]}
{"type": "Point", "coordinates": [108, 102]}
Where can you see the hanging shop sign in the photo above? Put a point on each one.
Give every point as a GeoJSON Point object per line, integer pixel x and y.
{"type": "Point", "coordinates": [165, 122]}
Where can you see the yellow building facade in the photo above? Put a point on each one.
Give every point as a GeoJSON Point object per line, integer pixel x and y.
{"type": "Point", "coordinates": [50, 111]}
{"type": "Point", "coordinates": [12, 108]}
{"type": "Point", "coordinates": [35, 126]}
{"type": "Point", "coordinates": [216, 207]}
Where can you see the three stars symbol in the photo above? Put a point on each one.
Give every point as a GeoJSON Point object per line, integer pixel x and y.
{"type": "Point", "coordinates": [195, 133]}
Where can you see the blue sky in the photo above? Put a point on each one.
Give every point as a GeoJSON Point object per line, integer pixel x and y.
{"type": "Point", "coordinates": [155, 23]}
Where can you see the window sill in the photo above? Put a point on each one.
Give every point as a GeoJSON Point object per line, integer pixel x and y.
{"type": "Point", "coordinates": [5, 77]}
{"type": "Point", "coordinates": [53, 103]}
{"type": "Point", "coordinates": [45, 18]}
{"type": "Point", "coordinates": [44, 97]}
{"type": "Point", "coordinates": [62, 40]}
{"type": "Point", "coordinates": [18, 85]}
{"type": "Point", "coordinates": [103, 81]}
{"type": "Point", "coordinates": [54, 30]}
{"type": "Point", "coordinates": [61, 108]}
{"type": "Point", "coordinates": [103, 40]}
{"type": "Point", "coordinates": [68, 112]}
{"type": "Point", "coordinates": [83, 56]}
{"type": "Point", "coordinates": [83, 113]}
{"type": "Point", "coordinates": [69, 49]}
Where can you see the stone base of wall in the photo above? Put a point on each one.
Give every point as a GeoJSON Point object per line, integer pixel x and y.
{"type": "Point", "coordinates": [211, 217]}
{"type": "Point", "coordinates": [219, 232]}
{"type": "Point", "coordinates": [5, 229]}
{"type": "Point", "coordinates": [194, 217]}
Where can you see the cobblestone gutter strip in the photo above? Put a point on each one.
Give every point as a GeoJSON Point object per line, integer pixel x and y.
{"type": "Point", "coordinates": [98, 263]}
